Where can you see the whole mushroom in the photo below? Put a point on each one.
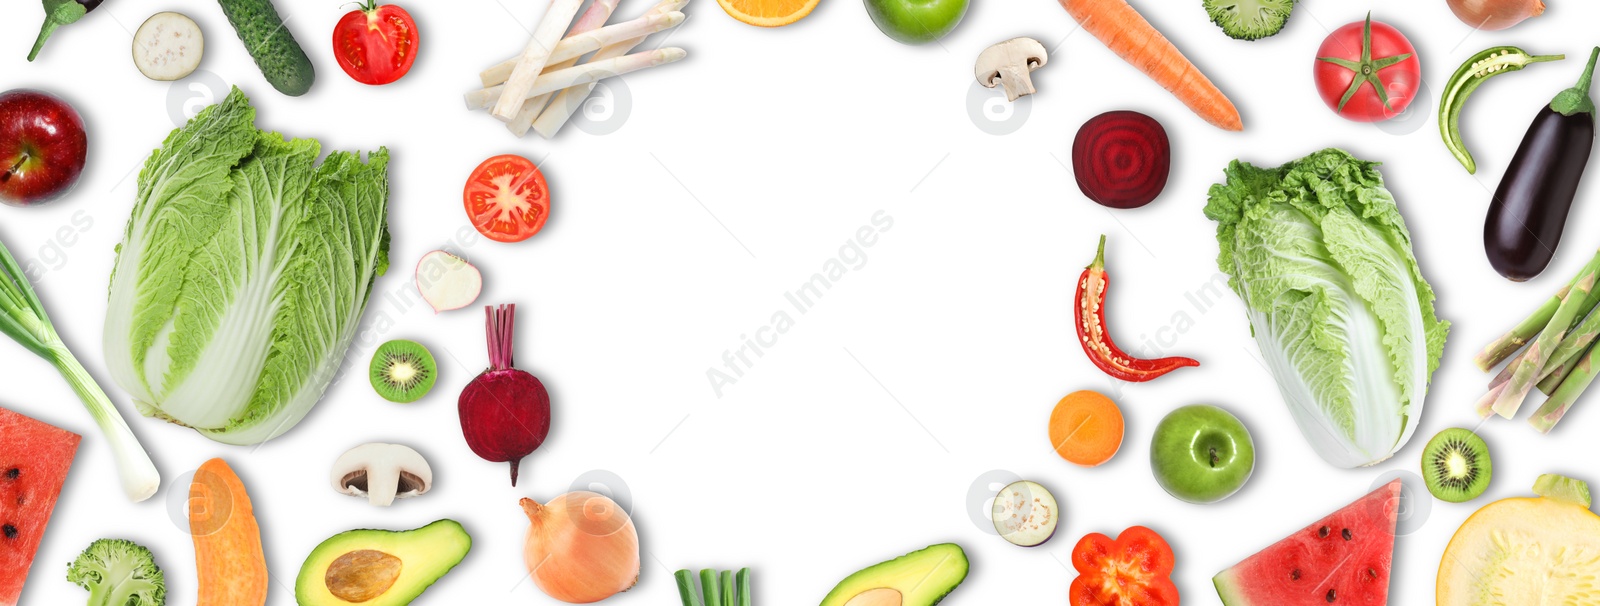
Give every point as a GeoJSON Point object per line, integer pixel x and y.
{"type": "Point", "coordinates": [1009, 63]}
{"type": "Point", "coordinates": [382, 473]}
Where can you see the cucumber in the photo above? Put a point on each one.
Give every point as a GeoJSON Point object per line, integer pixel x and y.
{"type": "Point", "coordinates": [272, 46]}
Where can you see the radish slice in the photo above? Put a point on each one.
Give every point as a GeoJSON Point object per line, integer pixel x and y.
{"type": "Point", "coordinates": [168, 46]}
{"type": "Point", "coordinates": [1024, 513]}
{"type": "Point", "coordinates": [447, 282]}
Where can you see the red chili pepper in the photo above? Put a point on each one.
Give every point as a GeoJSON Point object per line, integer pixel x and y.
{"type": "Point", "coordinates": [1090, 313]}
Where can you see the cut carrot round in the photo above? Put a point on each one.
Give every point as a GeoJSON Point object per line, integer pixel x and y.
{"type": "Point", "coordinates": [1086, 428]}
{"type": "Point", "coordinates": [768, 13]}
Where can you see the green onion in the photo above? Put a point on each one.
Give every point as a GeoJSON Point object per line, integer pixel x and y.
{"type": "Point", "coordinates": [22, 317]}
{"type": "Point", "coordinates": [686, 590]}
{"type": "Point", "coordinates": [744, 587]}
{"type": "Point", "coordinates": [708, 586]}
{"type": "Point", "coordinates": [728, 591]}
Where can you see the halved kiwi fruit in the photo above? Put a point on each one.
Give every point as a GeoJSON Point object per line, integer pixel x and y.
{"type": "Point", "coordinates": [1455, 465]}
{"type": "Point", "coordinates": [403, 371]}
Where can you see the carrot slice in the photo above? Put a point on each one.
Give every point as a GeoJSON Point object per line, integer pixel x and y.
{"type": "Point", "coordinates": [227, 540]}
{"type": "Point", "coordinates": [1086, 428]}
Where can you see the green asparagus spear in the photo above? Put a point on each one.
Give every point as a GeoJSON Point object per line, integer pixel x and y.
{"type": "Point", "coordinates": [1518, 336]}
{"type": "Point", "coordinates": [1554, 376]}
{"type": "Point", "coordinates": [686, 590]}
{"type": "Point", "coordinates": [1527, 373]}
{"type": "Point", "coordinates": [1577, 342]}
{"type": "Point", "coordinates": [1554, 408]}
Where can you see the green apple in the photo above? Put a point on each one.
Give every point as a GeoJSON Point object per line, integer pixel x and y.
{"type": "Point", "coordinates": [1202, 454]}
{"type": "Point", "coordinates": [916, 21]}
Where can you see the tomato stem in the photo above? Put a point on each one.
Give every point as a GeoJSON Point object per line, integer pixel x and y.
{"type": "Point", "coordinates": [1366, 69]}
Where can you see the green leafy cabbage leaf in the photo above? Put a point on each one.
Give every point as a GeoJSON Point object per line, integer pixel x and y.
{"type": "Point", "coordinates": [1322, 259]}
{"type": "Point", "coordinates": [243, 274]}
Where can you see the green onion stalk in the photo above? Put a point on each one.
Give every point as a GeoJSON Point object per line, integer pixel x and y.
{"type": "Point", "coordinates": [22, 317]}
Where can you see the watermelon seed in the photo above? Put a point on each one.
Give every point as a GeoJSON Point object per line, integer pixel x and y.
{"type": "Point", "coordinates": [1372, 574]}
{"type": "Point", "coordinates": [1322, 533]}
{"type": "Point", "coordinates": [11, 474]}
{"type": "Point", "coordinates": [1294, 575]}
{"type": "Point", "coordinates": [1330, 595]}
{"type": "Point", "coordinates": [11, 531]}
{"type": "Point", "coordinates": [1346, 534]}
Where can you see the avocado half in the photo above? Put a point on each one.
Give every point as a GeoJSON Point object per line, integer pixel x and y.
{"type": "Point", "coordinates": [919, 578]}
{"type": "Point", "coordinates": [380, 567]}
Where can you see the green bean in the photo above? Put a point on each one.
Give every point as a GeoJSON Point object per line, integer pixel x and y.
{"type": "Point", "coordinates": [1472, 74]}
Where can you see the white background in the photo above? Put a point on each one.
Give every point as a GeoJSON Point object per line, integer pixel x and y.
{"type": "Point", "coordinates": [737, 174]}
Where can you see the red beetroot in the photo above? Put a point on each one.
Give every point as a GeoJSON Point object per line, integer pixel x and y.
{"type": "Point", "coordinates": [1121, 159]}
{"type": "Point", "coordinates": [505, 412]}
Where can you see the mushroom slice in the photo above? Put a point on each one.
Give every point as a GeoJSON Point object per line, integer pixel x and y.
{"type": "Point", "coordinates": [1009, 63]}
{"type": "Point", "coordinates": [382, 473]}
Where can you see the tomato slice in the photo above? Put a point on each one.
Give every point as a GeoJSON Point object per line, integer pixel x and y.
{"type": "Point", "coordinates": [1135, 569]}
{"type": "Point", "coordinates": [376, 44]}
{"type": "Point", "coordinates": [507, 199]}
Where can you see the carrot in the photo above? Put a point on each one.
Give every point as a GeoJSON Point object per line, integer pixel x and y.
{"type": "Point", "coordinates": [227, 540]}
{"type": "Point", "coordinates": [1086, 428]}
{"type": "Point", "coordinates": [1127, 34]}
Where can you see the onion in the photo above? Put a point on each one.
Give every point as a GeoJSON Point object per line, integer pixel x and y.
{"type": "Point", "coordinates": [1495, 14]}
{"type": "Point", "coordinates": [581, 547]}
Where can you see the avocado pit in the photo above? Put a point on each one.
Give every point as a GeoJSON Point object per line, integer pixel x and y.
{"type": "Point", "coordinates": [362, 575]}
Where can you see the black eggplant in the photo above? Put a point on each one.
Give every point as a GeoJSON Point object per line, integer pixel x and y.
{"type": "Point", "coordinates": [1530, 207]}
{"type": "Point", "coordinates": [58, 13]}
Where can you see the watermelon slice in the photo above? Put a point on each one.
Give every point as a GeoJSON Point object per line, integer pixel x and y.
{"type": "Point", "coordinates": [34, 458]}
{"type": "Point", "coordinates": [1341, 559]}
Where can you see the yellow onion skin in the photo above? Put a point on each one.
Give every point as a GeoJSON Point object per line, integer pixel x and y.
{"type": "Point", "coordinates": [1495, 14]}
{"type": "Point", "coordinates": [581, 547]}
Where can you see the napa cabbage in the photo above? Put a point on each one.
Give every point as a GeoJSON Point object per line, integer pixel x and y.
{"type": "Point", "coordinates": [243, 274]}
{"type": "Point", "coordinates": [1322, 259]}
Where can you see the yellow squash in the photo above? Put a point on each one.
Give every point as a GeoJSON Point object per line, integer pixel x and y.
{"type": "Point", "coordinates": [1537, 550]}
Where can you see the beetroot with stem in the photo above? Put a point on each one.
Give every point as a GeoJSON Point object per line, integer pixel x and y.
{"type": "Point", "coordinates": [505, 412]}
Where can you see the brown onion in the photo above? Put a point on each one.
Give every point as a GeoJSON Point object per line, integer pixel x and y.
{"type": "Point", "coordinates": [1495, 14]}
{"type": "Point", "coordinates": [581, 547]}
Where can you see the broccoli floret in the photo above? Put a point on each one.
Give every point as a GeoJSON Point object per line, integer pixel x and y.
{"type": "Point", "coordinates": [1250, 19]}
{"type": "Point", "coordinates": [119, 573]}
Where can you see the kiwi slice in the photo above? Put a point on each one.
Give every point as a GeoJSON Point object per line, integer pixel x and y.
{"type": "Point", "coordinates": [403, 371]}
{"type": "Point", "coordinates": [1455, 465]}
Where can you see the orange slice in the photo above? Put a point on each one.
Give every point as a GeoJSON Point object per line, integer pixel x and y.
{"type": "Point", "coordinates": [768, 13]}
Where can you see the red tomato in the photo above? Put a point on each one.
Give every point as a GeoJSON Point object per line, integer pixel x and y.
{"type": "Point", "coordinates": [1135, 569]}
{"type": "Point", "coordinates": [1367, 72]}
{"type": "Point", "coordinates": [507, 198]}
{"type": "Point", "coordinates": [376, 44]}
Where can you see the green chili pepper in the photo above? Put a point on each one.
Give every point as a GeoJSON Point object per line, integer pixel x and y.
{"type": "Point", "coordinates": [1472, 74]}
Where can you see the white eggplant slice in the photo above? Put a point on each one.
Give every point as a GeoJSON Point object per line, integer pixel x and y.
{"type": "Point", "coordinates": [168, 46]}
{"type": "Point", "coordinates": [1025, 514]}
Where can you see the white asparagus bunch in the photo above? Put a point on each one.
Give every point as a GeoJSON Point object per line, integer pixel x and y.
{"type": "Point", "coordinates": [581, 74]}
{"type": "Point", "coordinates": [518, 90]}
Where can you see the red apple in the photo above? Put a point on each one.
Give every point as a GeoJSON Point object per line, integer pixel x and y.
{"type": "Point", "coordinates": [42, 147]}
